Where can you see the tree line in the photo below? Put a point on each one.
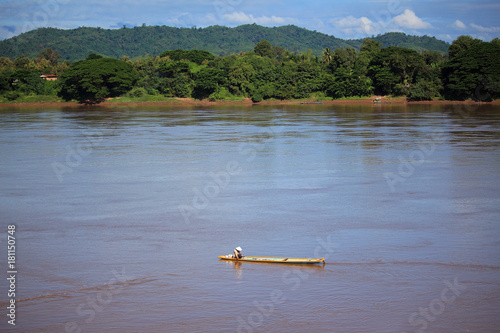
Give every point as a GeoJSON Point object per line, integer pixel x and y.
{"type": "Point", "coordinates": [471, 70]}
{"type": "Point", "coordinates": [77, 44]}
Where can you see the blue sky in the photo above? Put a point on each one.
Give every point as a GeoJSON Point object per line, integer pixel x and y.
{"type": "Point", "coordinates": [444, 19]}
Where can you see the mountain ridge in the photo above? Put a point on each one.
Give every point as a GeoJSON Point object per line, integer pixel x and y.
{"type": "Point", "coordinates": [76, 44]}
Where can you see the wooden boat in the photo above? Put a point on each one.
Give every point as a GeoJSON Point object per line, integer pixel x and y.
{"type": "Point", "coordinates": [275, 260]}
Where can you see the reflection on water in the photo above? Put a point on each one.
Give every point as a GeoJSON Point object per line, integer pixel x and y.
{"type": "Point", "coordinates": [238, 269]}
{"type": "Point", "coordinates": [122, 212]}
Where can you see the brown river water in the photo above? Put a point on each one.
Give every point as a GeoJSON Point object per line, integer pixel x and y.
{"type": "Point", "coordinates": [120, 215]}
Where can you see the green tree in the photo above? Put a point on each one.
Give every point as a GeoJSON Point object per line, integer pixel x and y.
{"type": "Point", "coordinates": [423, 91]}
{"type": "Point", "coordinates": [240, 77]}
{"type": "Point", "coordinates": [22, 62]}
{"type": "Point", "coordinates": [5, 80]}
{"type": "Point", "coordinates": [279, 53]}
{"type": "Point", "coordinates": [6, 63]}
{"type": "Point", "coordinates": [196, 56]}
{"type": "Point", "coordinates": [473, 71]}
{"type": "Point", "coordinates": [370, 47]}
{"type": "Point", "coordinates": [179, 86]}
{"type": "Point", "coordinates": [433, 58]}
{"type": "Point", "coordinates": [327, 55]}
{"type": "Point", "coordinates": [94, 56]}
{"type": "Point", "coordinates": [264, 48]}
{"type": "Point", "coordinates": [207, 81]}
{"type": "Point", "coordinates": [149, 73]}
{"type": "Point", "coordinates": [344, 58]}
{"type": "Point", "coordinates": [347, 83]}
{"type": "Point", "coordinates": [395, 69]}
{"type": "Point", "coordinates": [262, 81]}
{"type": "Point", "coordinates": [50, 55]}
{"type": "Point", "coordinates": [93, 80]}
{"type": "Point", "coordinates": [27, 81]}
{"type": "Point", "coordinates": [308, 78]}
{"type": "Point", "coordinates": [173, 68]}
{"type": "Point", "coordinates": [461, 44]}
{"type": "Point", "coordinates": [175, 79]}
{"type": "Point", "coordinates": [368, 50]}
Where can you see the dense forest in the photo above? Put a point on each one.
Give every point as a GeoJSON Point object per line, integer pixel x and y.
{"type": "Point", "coordinates": [471, 70]}
{"type": "Point", "coordinates": [76, 44]}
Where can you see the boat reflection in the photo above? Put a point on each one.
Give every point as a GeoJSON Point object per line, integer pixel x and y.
{"type": "Point", "coordinates": [238, 267]}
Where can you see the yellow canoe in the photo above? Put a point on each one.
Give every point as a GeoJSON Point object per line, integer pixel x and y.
{"type": "Point", "coordinates": [275, 260]}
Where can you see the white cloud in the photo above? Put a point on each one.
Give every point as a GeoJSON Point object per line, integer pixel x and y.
{"type": "Point", "coordinates": [181, 20]}
{"type": "Point", "coordinates": [6, 33]}
{"type": "Point", "coordinates": [210, 18]}
{"type": "Point", "coordinates": [459, 25]}
{"type": "Point", "coordinates": [318, 24]}
{"type": "Point", "coordinates": [409, 20]}
{"type": "Point", "coordinates": [242, 18]}
{"type": "Point", "coordinates": [485, 29]}
{"type": "Point", "coordinates": [350, 25]}
{"type": "Point", "coordinates": [445, 37]}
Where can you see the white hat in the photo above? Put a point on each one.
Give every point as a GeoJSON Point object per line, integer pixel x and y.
{"type": "Point", "coordinates": [238, 249]}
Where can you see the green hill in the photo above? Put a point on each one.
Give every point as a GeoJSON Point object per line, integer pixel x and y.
{"type": "Point", "coordinates": [76, 44]}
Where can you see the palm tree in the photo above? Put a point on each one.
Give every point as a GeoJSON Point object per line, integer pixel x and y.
{"type": "Point", "coordinates": [327, 55]}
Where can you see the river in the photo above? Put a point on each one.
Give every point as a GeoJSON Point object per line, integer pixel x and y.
{"type": "Point", "coordinates": [120, 214]}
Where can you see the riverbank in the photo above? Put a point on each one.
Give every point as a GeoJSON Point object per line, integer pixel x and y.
{"type": "Point", "coordinates": [192, 102]}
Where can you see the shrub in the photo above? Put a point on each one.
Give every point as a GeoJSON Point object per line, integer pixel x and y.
{"type": "Point", "coordinates": [12, 95]}
{"type": "Point", "coordinates": [257, 97]}
{"type": "Point", "coordinates": [422, 91]}
{"type": "Point", "coordinates": [137, 92]}
{"type": "Point", "coordinates": [220, 94]}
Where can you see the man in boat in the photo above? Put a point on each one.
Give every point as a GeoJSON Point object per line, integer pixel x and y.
{"type": "Point", "coordinates": [237, 253]}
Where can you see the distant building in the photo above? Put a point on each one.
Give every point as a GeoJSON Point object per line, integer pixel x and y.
{"type": "Point", "coordinates": [49, 77]}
